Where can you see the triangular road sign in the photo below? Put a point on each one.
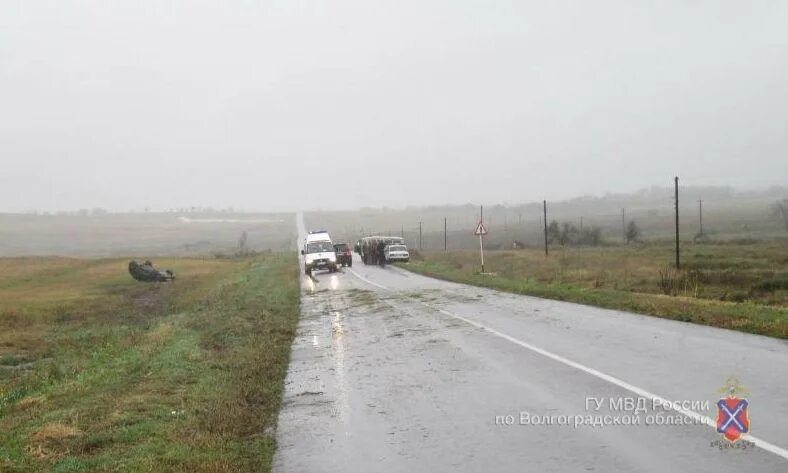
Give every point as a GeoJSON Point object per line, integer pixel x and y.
{"type": "Point", "coordinates": [480, 229]}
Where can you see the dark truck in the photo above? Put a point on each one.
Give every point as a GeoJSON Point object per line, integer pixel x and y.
{"type": "Point", "coordinates": [344, 255]}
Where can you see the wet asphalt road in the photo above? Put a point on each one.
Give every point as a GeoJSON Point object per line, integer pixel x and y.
{"type": "Point", "coordinates": [392, 371]}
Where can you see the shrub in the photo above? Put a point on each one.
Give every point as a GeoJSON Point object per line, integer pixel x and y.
{"type": "Point", "coordinates": [672, 282]}
{"type": "Point", "coordinates": [771, 284]}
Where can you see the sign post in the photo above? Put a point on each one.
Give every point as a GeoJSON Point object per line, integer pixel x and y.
{"type": "Point", "coordinates": [481, 230]}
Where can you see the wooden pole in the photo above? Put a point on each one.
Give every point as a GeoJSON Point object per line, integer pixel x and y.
{"type": "Point", "coordinates": [544, 203]}
{"type": "Point", "coordinates": [678, 259]}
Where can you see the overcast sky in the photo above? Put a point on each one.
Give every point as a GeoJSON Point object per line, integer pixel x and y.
{"type": "Point", "coordinates": [293, 104]}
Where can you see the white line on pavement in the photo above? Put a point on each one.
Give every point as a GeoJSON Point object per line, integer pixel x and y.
{"type": "Point", "coordinates": [769, 447]}
{"type": "Point", "coordinates": [368, 281]}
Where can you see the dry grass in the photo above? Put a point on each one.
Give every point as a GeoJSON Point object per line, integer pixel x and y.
{"type": "Point", "coordinates": [714, 272]}
{"type": "Point", "coordinates": [737, 286]}
{"type": "Point", "coordinates": [52, 441]}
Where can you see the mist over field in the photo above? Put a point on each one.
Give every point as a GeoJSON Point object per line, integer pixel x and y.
{"type": "Point", "coordinates": [302, 105]}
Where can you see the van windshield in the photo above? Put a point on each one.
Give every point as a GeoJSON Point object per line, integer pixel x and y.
{"type": "Point", "coordinates": [319, 247]}
{"type": "Point", "coordinates": [396, 248]}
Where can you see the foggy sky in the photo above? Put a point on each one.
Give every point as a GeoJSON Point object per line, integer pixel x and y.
{"type": "Point", "coordinates": [292, 104]}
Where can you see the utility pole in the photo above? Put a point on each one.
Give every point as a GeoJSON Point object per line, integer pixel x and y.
{"type": "Point", "coordinates": [544, 203]}
{"type": "Point", "coordinates": [481, 235]}
{"type": "Point", "coordinates": [700, 216]}
{"type": "Point", "coordinates": [623, 227]}
{"type": "Point", "coordinates": [678, 261]}
{"type": "Point", "coordinates": [581, 224]}
{"type": "Point", "coordinates": [519, 218]}
{"type": "Point", "coordinates": [402, 232]}
{"type": "Point", "coordinates": [420, 246]}
{"type": "Point", "coordinates": [445, 236]}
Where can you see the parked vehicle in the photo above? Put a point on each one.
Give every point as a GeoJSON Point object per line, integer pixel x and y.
{"type": "Point", "coordinates": [368, 247]}
{"type": "Point", "coordinates": [395, 253]}
{"type": "Point", "coordinates": [319, 252]}
{"type": "Point", "coordinates": [344, 255]}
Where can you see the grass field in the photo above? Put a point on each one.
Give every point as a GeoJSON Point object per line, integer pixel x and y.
{"type": "Point", "coordinates": [737, 286]}
{"type": "Point", "coordinates": [102, 373]}
{"type": "Point", "coordinates": [149, 234]}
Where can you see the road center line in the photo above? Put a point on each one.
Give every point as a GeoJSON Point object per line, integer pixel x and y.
{"type": "Point", "coordinates": [769, 447]}
{"type": "Point", "coordinates": [368, 281]}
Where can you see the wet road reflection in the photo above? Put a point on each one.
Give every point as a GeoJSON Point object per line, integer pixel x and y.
{"type": "Point", "coordinates": [309, 283]}
{"type": "Point", "coordinates": [339, 351]}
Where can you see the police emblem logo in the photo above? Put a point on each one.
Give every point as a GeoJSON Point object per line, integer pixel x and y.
{"type": "Point", "coordinates": [733, 418]}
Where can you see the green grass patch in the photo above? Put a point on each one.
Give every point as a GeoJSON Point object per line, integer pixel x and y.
{"type": "Point", "coordinates": [130, 376]}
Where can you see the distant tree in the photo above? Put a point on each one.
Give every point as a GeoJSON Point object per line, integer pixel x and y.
{"type": "Point", "coordinates": [633, 232]}
{"type": "Point", "coordinates": [701, 237]}
{"type": "Point", "coordinates": [568, 234]}
{"type": "Point", "coordinates": [780, 209]}
{"type": "Point", "coordinates": [243, 249]}
{"type": "Point", "coordinates": [553, 232]}
{"type": "Point", "coordinates": [591, 236]}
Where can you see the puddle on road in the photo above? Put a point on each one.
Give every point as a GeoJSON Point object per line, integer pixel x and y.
{"type": "Point", "coordinates": [361, 297]}
{"type": "Point", "coordinates": [328, 281]}
{"type": "Point", "coordinates": [364, 299]}
{"type": "Point", "coordinates": [438, 295]}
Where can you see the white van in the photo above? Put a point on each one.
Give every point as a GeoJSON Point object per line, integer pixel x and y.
{"type": "Point", "coordinates": [319, 252]}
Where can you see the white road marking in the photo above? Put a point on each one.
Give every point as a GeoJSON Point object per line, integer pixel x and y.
{"type": "Point", "coordinates": [368, 281]}
{"type": "Point", "coordinates": [769, 447]}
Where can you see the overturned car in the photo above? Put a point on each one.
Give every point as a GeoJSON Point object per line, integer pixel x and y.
{"type": "Point", "coordinates": [145, 272]}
